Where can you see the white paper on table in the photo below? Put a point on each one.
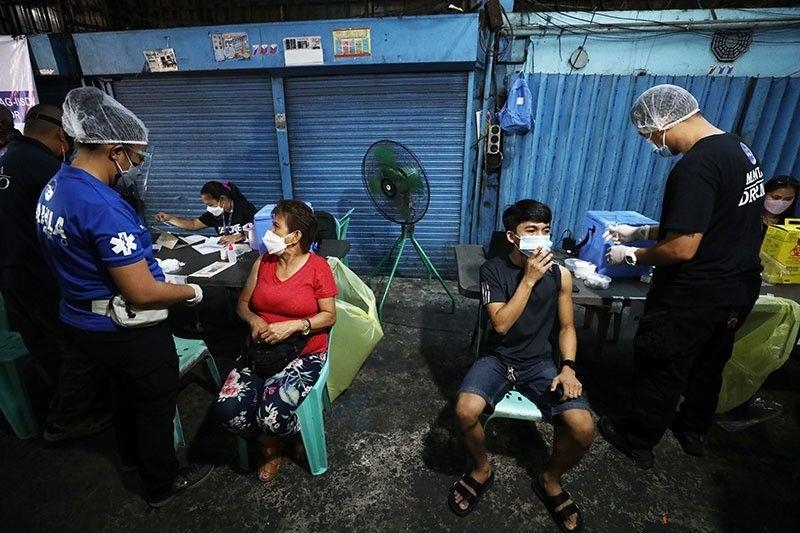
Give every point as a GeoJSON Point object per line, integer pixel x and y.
{"type": "Point", "coordinates": [212, 269]}
{"type": "Point", "coordinates": [156, 247]}
{"type": "Point", "coordinates": [206, 249]}
{"type": "Point", "coordinates": [213, 241]}
{"type": "Point", "coordinates": [194, 239]}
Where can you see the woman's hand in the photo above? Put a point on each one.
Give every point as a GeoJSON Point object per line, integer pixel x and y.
{"type": "Point", "coordinates": [228, 239]}
{"type": "Point", "coordinates": [258, 328]}
{"type": "Point", "coordinates": [278, 331]}
{"type": "Point", "coordinates": [163, 217]}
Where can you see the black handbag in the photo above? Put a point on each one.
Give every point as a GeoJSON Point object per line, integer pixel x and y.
{"type": "Point", "coordinates": [266, 359]}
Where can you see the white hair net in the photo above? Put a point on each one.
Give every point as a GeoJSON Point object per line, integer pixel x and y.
{"type": "Point", "coordinates": [93, 117]}
{"type": "Point", "coordinates": [662, 107]}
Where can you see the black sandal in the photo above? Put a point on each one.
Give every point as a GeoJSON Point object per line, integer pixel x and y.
{"type": "Point", "coordinates": [471, 499]}
{"type": "Point", "coordinates": [551, 503]}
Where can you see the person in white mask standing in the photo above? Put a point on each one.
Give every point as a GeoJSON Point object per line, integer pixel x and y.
{"type": "Point", "coordinates": [227, 211]}
{"type": "Point", "coordinates": [779, 202]}
{"type": "Point", "coordinates": [706, 280]}
{"type": "Point", "coordinates": [288, 302]}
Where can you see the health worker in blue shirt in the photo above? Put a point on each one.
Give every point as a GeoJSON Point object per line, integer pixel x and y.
{"type": "Point", "coordinates": [98, 248]}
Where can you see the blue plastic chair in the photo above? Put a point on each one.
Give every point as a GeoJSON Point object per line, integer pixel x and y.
{"type": "Point", "coordinates": [513, 405]}
{"type": "Point", "coordinates": [312, 424]}
{"type": "Point", "coordinates": [191, 352]}
{"type": "Point", "coordinates": [14, 401]}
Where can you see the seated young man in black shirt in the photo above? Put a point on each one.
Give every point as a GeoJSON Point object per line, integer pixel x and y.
{"type": "Point", "coordinates": [523, 293]}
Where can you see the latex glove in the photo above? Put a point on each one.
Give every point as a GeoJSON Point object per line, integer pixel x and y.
{"type": "Point", "coordinates": [625, 233]}
{"type": "Point", "coordinates": [617, 254]}
{"type": "Point", "coordinates": [198, 295]}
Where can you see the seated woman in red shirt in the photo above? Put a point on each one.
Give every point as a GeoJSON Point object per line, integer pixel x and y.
{"type": "Point", "coordinates": [289, 295]}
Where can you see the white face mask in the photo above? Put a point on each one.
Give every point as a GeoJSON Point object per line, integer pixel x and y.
{"type": "Point", "coordinates": [530, 243]}
{"type": "Point", "coordinates": [274, 243]}
{"type": "Point", "coordinates": [215, 210]}
{"type": "Point", "coordinates": [776, 207]}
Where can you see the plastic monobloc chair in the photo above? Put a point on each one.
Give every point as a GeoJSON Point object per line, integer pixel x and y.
{"type": "Point", "coordinates": [312, 424]}
{"type": "Point", "coordinates": [191, 352]}
{"type": "Point", "coordinates": [14, 401]}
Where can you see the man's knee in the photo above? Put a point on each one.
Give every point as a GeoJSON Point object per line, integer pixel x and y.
{"type": "Point", "coordinates": [469, 407]}
{"type": "Point", "coordinates": [580, 425]}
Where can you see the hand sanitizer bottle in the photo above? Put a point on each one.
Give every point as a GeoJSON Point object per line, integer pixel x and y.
{"type": "Point", "coordinates": [231, 253]}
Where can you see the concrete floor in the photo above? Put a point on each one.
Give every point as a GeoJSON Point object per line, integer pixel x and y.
{"type": "Point", "coordinates": [393, 454]}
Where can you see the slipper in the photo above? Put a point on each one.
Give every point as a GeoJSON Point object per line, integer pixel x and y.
{"type": "Point", "coordinates": [551, 503]}
{"type": "Point", "coordinates": [471, 499]}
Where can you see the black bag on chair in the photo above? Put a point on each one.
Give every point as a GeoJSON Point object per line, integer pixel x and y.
{"type": "Point", "coordinates": [266, 359]}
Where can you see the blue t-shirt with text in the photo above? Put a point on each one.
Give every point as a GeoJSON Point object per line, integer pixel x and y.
{"type": "Point", "coordinates": [85, 227]}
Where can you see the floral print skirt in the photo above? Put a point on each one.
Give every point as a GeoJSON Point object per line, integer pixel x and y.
{"type": "Point", "coordinates": [248, 404]}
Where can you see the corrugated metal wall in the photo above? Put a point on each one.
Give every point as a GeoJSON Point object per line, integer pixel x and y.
{"type": "Point", "coordinates": [583, 153]}
{"type": "Point", "coordinates": [772, 125]}
{"type": "Point", "coordinates": [332, 121]}
{"type": "Point", "coordinates": [205, 127]}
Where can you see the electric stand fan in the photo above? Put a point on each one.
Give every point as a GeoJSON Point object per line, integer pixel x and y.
{"type": "Point", "coordinates": [398, 188]}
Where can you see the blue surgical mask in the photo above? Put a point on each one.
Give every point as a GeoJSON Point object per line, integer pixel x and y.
{"type": "Point", "coordinates": [663, 150]}
{"type": "Point", "coordinates": [530, 243]}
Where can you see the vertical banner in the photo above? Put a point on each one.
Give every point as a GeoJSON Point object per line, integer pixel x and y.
{"type": "Point", "coordinates": [17, 90]}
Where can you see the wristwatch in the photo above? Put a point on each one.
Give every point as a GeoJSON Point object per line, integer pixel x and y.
{"type": "Point", "coordinates": [307, 327]}
{"type": "Point", "coordinates": [568, 362]}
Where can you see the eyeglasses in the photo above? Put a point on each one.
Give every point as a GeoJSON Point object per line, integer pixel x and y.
{"type": "Point", "coordinates": [144, 155]}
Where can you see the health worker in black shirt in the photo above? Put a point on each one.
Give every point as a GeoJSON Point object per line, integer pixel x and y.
{"type": "Point", "coordinates": [706, 280]}
{"type": "Point", "coordinates": [227, 211]}
{"type": "Point", "coordinates": [29, 289]}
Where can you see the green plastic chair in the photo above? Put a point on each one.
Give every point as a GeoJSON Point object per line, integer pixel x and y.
{"type": "Point", "coordinates": [342, 224]}
{"type": "Point", "coordinates": [14, 401]}
{"type": "Point", "coordinates": [312, 424]}
{"type": "Point", "coordinates": [513, 405]}
{"type": "Point", "coordinates": [191, 352]}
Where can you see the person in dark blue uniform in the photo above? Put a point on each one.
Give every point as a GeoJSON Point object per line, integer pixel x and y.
{"type": "Point", "coordinates": [98, 249]}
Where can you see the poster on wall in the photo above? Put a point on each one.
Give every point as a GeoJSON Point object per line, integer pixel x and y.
{"type": "Point", "coordinates": [302, 51]}
{"type": "Point", "coordinates": [352, 43]}
{"type": "Point", "coordinates": [17, 89]}
{"type": "Point", "coordinates": [230, 46]}
{"type": "Point", "coordinates": [161, 60]}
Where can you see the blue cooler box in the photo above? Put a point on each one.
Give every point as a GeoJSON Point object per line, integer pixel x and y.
{"type": "Point", "coordinates": [263, 222]}
{"type": "Point", "coordinates": [596, 247]}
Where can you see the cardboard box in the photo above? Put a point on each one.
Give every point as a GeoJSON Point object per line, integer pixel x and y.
{"type": "Point", "coordinates": [782, 242]}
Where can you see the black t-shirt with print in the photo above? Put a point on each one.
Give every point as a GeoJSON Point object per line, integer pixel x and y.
{"type": "Point", "coordinates": [529, 338]}
{"type": "Point", "coordinates": [231, 223]}
{"type": "Point", "coordinates": [716, 189]}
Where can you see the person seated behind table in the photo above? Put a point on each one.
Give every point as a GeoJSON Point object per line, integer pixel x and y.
{"type": "Point", "coordinates": [289, 293]}
{"type": "Point", "coordinates": [227, 211]}
{"type": "Point", "coordinates": [523, 293]}
{"type": "Point", "coordinates": [779, 201]}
